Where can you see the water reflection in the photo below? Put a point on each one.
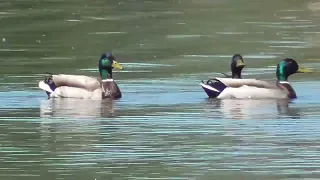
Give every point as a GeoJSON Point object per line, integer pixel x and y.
{"type": "Point", "coordinates": [160, 130]}
{"type": "Point", "coordinates": [75, 108]}
{"type": "Point", "coordinates": [73, 122]}
{"type": "Point", "coordinates": [71, 126]}
{"type": "Point", "coordinates": [252, 109]}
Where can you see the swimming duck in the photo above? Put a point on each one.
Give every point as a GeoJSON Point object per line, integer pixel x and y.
{"type": "Point", "coordinates": [237, 64]}
{"type": "Point", "coordinates": [85, 87]}
{"type": "Point", "coordinates": [227, 88]}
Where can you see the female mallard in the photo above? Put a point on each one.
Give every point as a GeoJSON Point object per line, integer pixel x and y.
{"type": "Point", "coordinates": [227, 88]}
{"type": "Point", "coordinates": [85, 87]}
{"type": "Point", "coordinates": [237, 64]}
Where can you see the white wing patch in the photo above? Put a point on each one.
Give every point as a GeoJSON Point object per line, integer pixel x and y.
{"type": "Point", "coordinates": [44, 86]}
{"type": "Point", "coordinates": [209, 87]}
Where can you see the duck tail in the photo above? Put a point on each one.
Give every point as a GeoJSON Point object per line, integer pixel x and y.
{"type": "Point", "coordinates": [213, 89]}
{"type": "Point", "coordinates": [49, 80]}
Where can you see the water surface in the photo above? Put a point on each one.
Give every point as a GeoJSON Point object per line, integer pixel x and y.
{"type": "Point", "coordinates": [164, 127]}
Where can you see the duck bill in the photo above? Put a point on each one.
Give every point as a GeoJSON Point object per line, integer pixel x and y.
{"type": "Point", "coordinates": [304, 70]}
{"type": "Point", "coordinates": [116, 65]}
{"type": "Point", "coordinates": [240, 63]}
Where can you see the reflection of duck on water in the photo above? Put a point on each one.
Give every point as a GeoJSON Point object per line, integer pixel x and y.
{"type": "Point", "coordinates": [73, 124]}
{"type": "Point", "coordinates": [76, 108]}
{"type": "Point", "coordinates": [252, 109]}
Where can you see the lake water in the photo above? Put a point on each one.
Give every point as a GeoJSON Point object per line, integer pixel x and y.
{"type": "Point", "coordinates": [164, 127]}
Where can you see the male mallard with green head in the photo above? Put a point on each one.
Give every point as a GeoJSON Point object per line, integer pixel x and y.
{"type": "Point", "coordinates": [237, 64]}
{"type": "Point", "coordinates": [85, 87]}
{"type": "Point", "coordinates": [227, 88]}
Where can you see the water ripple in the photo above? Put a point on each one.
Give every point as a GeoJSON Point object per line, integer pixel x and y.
{"type": "Point", "coordinates": [164, 127]}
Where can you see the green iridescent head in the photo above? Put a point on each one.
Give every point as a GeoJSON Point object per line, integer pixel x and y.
{"type": "Point", "coordinates": [288, 67]}
{"type": "Point", "coordinates": [106, 63]}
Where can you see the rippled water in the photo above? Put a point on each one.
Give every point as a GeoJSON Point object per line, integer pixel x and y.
{"type": "Point", "coordinates": [164, 127]}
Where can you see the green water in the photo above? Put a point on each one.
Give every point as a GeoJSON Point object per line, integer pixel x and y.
{"type": "Point", "coordinates": [164, 127]}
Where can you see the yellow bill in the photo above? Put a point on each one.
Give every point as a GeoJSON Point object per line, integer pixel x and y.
{"type": "Point", "coordinates": [304, 70]}
{"type": "Point", "coordinates": [239, 63]}
{"type": "Point", "coordinates": [116, 65]}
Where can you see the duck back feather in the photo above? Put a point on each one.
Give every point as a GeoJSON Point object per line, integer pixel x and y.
{"type": "Point", "coordinates": [229, 82]}
{"type": "Point", "coordinates": [77, 93]}
{"type": "Point", "coordinates": [252, 92]}
{"type": "Point", "coordinates": [78, 81]}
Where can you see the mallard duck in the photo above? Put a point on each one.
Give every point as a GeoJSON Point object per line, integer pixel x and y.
{"type": "Point", "coordinates": [227, 88]}
{"type": "Point", "coordinates": [237, 64]}
{"type": "Point", "coordinates": [85, 87]}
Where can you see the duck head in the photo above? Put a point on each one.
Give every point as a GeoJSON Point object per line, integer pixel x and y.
{"type": "Point", "coordinates": [106, 64]}
{"type": "Point", "coordinates": [237, 64]}
{"type": "Point", "coordinates": [288, 67]}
